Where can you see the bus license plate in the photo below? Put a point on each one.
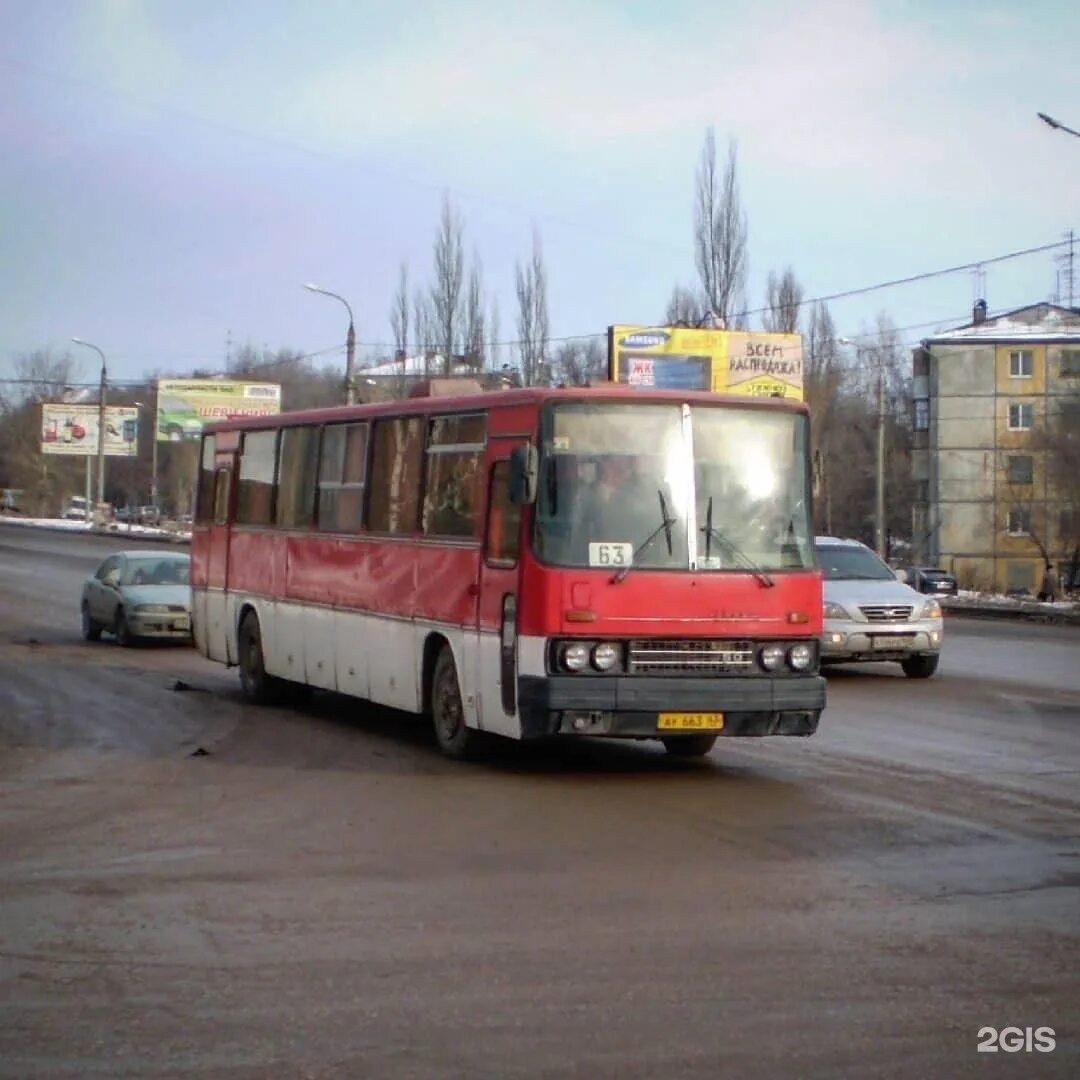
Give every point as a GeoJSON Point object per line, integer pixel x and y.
{"type": "Point", "coordinates": [690, 721]}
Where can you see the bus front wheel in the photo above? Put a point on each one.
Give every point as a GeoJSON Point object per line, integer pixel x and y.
{"type": "Point", "coordinates": [259, 688]}
{"type": "Point", "coordinates": [448, 711]}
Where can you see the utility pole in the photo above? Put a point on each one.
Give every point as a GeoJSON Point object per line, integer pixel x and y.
{"type": "Point", "coordinates": [350, 343]}
{"type": "Point", "coordinates": [101, 420]}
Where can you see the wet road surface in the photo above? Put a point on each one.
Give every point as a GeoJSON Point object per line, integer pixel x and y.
{"type": "Point", "coordinates": [193, 887]}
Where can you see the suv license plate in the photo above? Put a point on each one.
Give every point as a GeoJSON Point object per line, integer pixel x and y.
{"type": "Point", "coordinates": [890, 644]}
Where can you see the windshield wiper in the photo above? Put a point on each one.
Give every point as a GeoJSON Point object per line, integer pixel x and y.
{"type": "Point", "coordinates": [664, 527]}
{"type": "Point", "coordinates": [740, 556]}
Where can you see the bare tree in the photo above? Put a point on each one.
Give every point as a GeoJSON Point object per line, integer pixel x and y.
{"type": "Point", "coordinates": [720, 232]}
{"type": "Point", "coordinates": [686, 307]}
{"type": "Point", "coordinates": [446, 289]}
{"type": "Point", "coordinates": [576, 363]}
{"type": "Point", "coordinates": [475, 336]}
{"type": "Point", "coordinates": [423, 328]}
{"type": "Point", "coordinates": [494, 345]}
{"type": "Point", "coordinates": [1057, 442]}
{"type": "Point", "coordinates": [532, 315]}
{"type": "Point", "coordinates": [399, 314]}
{"type": "Point", "coordinates": [822, 377]}
{"type": "Point", "coordinates": [783, 299]}
{"type": "Point", "coordinates": [46, 481]}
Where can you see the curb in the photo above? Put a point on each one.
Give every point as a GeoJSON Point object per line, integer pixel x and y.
{"type": "Point", "coordinates": [1023, 613]}
{"type": "Point", "coordinates": [118, 533]}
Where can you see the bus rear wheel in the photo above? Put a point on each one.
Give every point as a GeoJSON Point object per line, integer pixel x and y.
{"type": "Point", "coordinates": [689, 745]}
{"type": "Point", "coordinates": [258, 687]}
{"type": "Point", "coordinates": [448, 711]}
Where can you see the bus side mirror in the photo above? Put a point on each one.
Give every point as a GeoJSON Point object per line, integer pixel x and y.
{"type": "Point", "coordinates": [524, 474]}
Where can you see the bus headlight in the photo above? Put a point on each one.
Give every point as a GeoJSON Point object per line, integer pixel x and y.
{"type": "Point", "coordinates": [771, 657]}
{"type": "Point", "coordinates": [574, 656]}
{"type": "Point", "coordinates": [800, 656]}
{"type": "Point", "coordinates": [605, 656]}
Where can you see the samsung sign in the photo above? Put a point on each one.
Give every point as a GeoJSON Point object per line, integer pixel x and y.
{"type": "Point", "coordinates": [644, 341]}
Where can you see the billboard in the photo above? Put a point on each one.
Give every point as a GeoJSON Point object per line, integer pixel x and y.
{"type": "Point", "coordinates": [751, 362]}
{"type": "Point", "coordinates": [184, 405]}
{"type": "Point", "coordinates": [73, 429]}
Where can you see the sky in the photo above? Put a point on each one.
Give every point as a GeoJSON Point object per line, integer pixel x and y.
{"type": "Point", "coordinates": [173, 172]}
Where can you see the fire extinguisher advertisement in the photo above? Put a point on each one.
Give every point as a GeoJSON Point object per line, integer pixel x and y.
{"type": "Point", "coordinates": [73, 429]}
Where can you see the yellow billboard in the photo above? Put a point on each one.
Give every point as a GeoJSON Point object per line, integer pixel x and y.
{"type": "Point", "coordinates": [752, 362]}
{"type": "Point", "coordinates": [184, 405]}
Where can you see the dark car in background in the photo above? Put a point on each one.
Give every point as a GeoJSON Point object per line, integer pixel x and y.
{"type": "Point", "coordinates": [932, 581]}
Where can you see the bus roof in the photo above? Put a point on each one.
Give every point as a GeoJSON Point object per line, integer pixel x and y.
{"type": "Point", "coordinates": [501, 399]}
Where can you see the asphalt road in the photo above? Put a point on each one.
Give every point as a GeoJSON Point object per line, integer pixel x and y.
{"type": "Point", "coordinates": [192, 887]}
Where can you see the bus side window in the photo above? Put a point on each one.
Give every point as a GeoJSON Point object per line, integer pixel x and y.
{"type": "Point", "coordinates": [222, 480]}
{"type": "Point", "coordinates": [504, 518]}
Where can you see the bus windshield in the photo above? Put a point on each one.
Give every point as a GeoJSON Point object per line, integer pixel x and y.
{"type": "Point", "coordinates": [643, 485]}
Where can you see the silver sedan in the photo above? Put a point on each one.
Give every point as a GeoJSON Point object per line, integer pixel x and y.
{"type": "Point", "coordinates": [139, 594]}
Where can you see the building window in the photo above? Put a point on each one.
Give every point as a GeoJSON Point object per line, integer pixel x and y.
{"type": "Point", "coordinates": [1021, 417]}
{"type": "Point", "coordinates": [1069, 525]}
{"type": "Point", "coordinates": [342, 476]}
{"type": "Point", "coordinates": [1020, 364]}
{"type": "Point", "coordinates": [255, 497]}
{"type": "Point", "coordinates": [1021, 469]}
{"type": "Point", "coordinates": [1019, 523]}
{"type": "Point", "coordinates": [922, 491]}
{"type": "Point", "coordinates": [1069, 412]}
{"type": "Point", "coordinates": [1019, 577]}
{"type": "Point", "coordinates": [455, 455]}
{"type": "Point", "coordinates": [1070, 363]}
{"type": "Point", "coordinates": [922, 414]}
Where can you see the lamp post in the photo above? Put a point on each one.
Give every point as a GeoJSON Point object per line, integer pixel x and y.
{"type": "Point", "coordinates": [879, 481]}
{"type": "Point", "coordinates": [1057, 124]}
{"type": "Point", "coordinates": [101, 421]}
{"type": "Point", "coordinates": [350, 342]}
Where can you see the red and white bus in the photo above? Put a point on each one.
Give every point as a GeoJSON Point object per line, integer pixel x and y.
{"type": "Point", "coordinates": [532, 563]}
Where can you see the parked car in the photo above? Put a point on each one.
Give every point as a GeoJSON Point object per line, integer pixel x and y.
{"type": "Point", "coordinates": [138, 594]}
{"type": "Point", "coordinates": [871, 616]}
{"type": "Point", "coordinates": [930, 580]}
{"type": "Point", "coordinates": [76, 508]}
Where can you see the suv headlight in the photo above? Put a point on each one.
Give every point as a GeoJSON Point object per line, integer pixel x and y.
{"type": "Point", "coordinates": [834, 611]}
{"type": "Point", "coordinates": [931, 609]}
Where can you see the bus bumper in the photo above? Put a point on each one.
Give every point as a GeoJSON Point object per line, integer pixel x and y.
{"type": "Point", "coordinates": [630, 708]}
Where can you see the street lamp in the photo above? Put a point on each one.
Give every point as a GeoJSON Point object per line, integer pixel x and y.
{"type": "Point", "coordinates": [879, 485]}
{"type": "Point", "coordinates": [101, 421]}
{"type": "Point", "coordinates": [350, 342]}
{"type": "Point", "coordinates": [1056, 124]}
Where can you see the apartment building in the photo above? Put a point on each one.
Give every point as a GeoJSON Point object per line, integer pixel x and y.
{"type": "Point", "coordinates": [997, 424]}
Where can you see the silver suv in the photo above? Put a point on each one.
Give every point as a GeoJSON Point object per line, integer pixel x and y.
{"type": "Point", "coordinates": [870, 615]}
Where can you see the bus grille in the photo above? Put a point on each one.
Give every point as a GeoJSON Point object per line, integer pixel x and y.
{"type": "Point", "coordinates": [886, 613]}
{"type": "Point", "coordinates": [689, 656]}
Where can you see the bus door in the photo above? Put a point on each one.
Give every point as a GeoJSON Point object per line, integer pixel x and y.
{"type": "Point", "coordinates": [220, 643]}
{"type": "Point", "coordinates": [496, 669]}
